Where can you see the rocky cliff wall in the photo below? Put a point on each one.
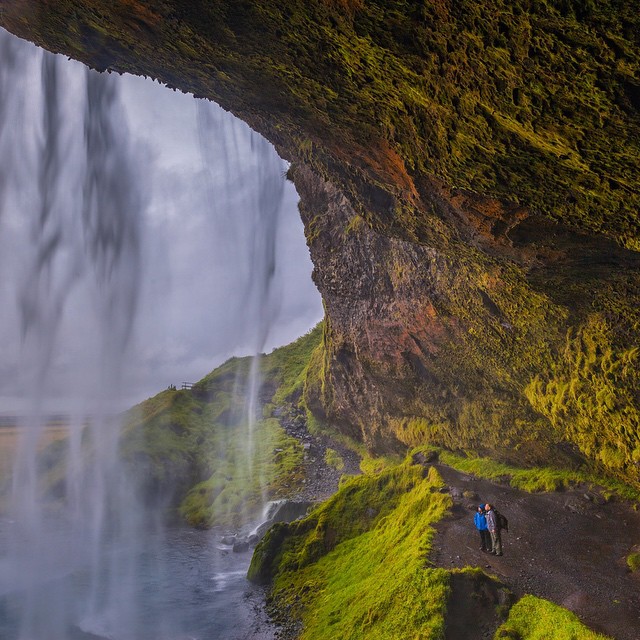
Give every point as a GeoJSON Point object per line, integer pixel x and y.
{"type": "Point", "coordinates": [469, 185]}
{"type": "Point", "coordinates": [470, 351]}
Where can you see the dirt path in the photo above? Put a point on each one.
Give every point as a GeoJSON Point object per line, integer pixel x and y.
{"type": "Point", "coordinates": [565, 547]}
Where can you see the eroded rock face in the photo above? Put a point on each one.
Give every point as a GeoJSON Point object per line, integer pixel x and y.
{"type": "Point", "coordinates": [451, 345]}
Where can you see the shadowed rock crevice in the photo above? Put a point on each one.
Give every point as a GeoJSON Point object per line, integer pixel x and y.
{"type": "Point", "coordinates": [476, 607]}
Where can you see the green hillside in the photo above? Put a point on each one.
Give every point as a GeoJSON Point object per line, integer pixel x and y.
{"type": "Point", "coordinates": [195, 448]}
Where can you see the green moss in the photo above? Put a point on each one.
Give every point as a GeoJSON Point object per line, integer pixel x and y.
{"type": "Point", "coordinates": [287, 367]}
{"type": "Point", "coordinates": [535, 479]}
{"type": "Point", "coordinates": [355, 568]}
{"type": "Point", "coordinates": [372, 465]}
{"type": "Point", "coordinates": [532, 618]}
{"type": "Point", "coordinates": [521, 102]}
{"type": "Point", "coordinates": [334, 459]}
{"type": "Point", "coordinates": [633, 561]}
{"type": "Point", "coordinates": [590, 393]}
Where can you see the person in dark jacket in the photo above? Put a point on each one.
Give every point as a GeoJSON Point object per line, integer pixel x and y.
{"type": "Point", "coordinates": [494, 530]}
{"type": "Point", "coordinates": [480, 521]}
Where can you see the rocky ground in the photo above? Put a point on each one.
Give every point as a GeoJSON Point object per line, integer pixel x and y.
{"type": "Point", "coordinates": [567, 547]}
{"type": "Point", "coordinates": [321, 480]}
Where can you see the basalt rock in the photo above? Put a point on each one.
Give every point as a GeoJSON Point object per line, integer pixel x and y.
{"type": "Point", "coordinates": [469, 186]}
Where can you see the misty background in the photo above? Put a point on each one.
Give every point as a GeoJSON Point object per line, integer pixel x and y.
{"type": "Point", "coordinates": [199, 172]}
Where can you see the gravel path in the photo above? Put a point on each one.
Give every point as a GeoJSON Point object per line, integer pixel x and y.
{"type": "Point", "coordinates": [321, 480]}
{"type": "Point", "coordinates": [568, 547]}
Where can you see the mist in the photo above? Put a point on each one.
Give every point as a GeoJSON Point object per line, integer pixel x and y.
{"type": "Point", "coordinates": [188, 278]}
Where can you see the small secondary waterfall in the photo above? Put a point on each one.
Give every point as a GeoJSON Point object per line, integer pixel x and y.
{"type": "Point", "coordinates": [249, 158]}
{"type": "Point", "coordinates": [73, 186]}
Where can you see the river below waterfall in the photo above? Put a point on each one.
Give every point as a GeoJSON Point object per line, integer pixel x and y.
{"type": "Point", "coordinates": [182, 584]}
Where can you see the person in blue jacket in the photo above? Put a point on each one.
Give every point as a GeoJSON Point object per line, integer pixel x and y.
{"type": "Point", "coordinates": [481, 525]}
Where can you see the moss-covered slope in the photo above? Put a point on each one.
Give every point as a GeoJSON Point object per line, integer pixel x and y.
{"type": "Point", "coordinates": [469, 183]}
{"type": "Point", "coordinates": [360, 566]}
{"type": "Point", "coordinates": [356, 565]}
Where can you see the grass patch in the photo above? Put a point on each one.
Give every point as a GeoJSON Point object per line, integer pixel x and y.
{"type": "Point", "coordinates": [633, 561]}
{"type": "Point", "coordinates": [287, 366]}
{"type": "Point", "coordinates": [373, 465]}
{"type": "Point", "coordinates": [537, 479]}
{"type": "Point", "coordinates": [532, 618]}
{"type": "Point", "coordinates": [355, 567]}
{"type": "Point", "coordinates": [334, 459]}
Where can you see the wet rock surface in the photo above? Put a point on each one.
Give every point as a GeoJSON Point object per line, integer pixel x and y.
{"type": "Point", "coordinates": [278, 511]}
{"type": "Point", "coordinates": [567, 547]}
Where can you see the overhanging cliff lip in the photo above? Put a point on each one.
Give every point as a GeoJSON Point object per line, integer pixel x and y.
{"type": "Point", "coordinates": [376, 90]}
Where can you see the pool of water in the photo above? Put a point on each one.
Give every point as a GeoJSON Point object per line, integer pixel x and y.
{"type": "Point", "coordinates": [176, 584]}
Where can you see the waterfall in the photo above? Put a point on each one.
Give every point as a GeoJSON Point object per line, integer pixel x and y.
{"type": "Point", "coordinates": [247, 158]}
{"type": "Point", "coordinates": [74, 188]}
{"type": "Point", "coordinates": [71, 177]}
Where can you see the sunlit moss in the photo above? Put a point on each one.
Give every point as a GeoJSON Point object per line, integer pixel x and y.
{"type": "Point", "coordinates": [334, 459]}
{"type": "Point", "coordinates": [591, 394]}
{"type": "Point", "coordinates": [532, 618]}
{"type": "Point", "coordinates": [633, 561]}
{"type": "Point", "coordinates": [355, 567]}
{"type": "Point", "coordinates": [535, 479]}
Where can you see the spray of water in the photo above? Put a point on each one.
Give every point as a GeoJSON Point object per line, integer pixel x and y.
{"type": "Point", "coordinates": [68, 166]}
{"type": "Point", "coordinates": [248, 159]}
{"type": "Point", "coordinates": [69, 169]}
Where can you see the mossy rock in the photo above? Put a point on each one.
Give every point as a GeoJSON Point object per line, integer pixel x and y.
{"type": "Point", "coordinates": [633, 561]}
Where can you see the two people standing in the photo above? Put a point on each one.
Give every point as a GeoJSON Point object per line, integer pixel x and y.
{"type": "Point", "coordinates": [489, 523]}
{"type": "Point", "coordinates": [493, 524]}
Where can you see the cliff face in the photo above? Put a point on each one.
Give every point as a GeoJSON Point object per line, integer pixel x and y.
{"type": "Point", "coordinates": [459, 348]}
{"type": "Point", "coordinates": [469, 185]}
